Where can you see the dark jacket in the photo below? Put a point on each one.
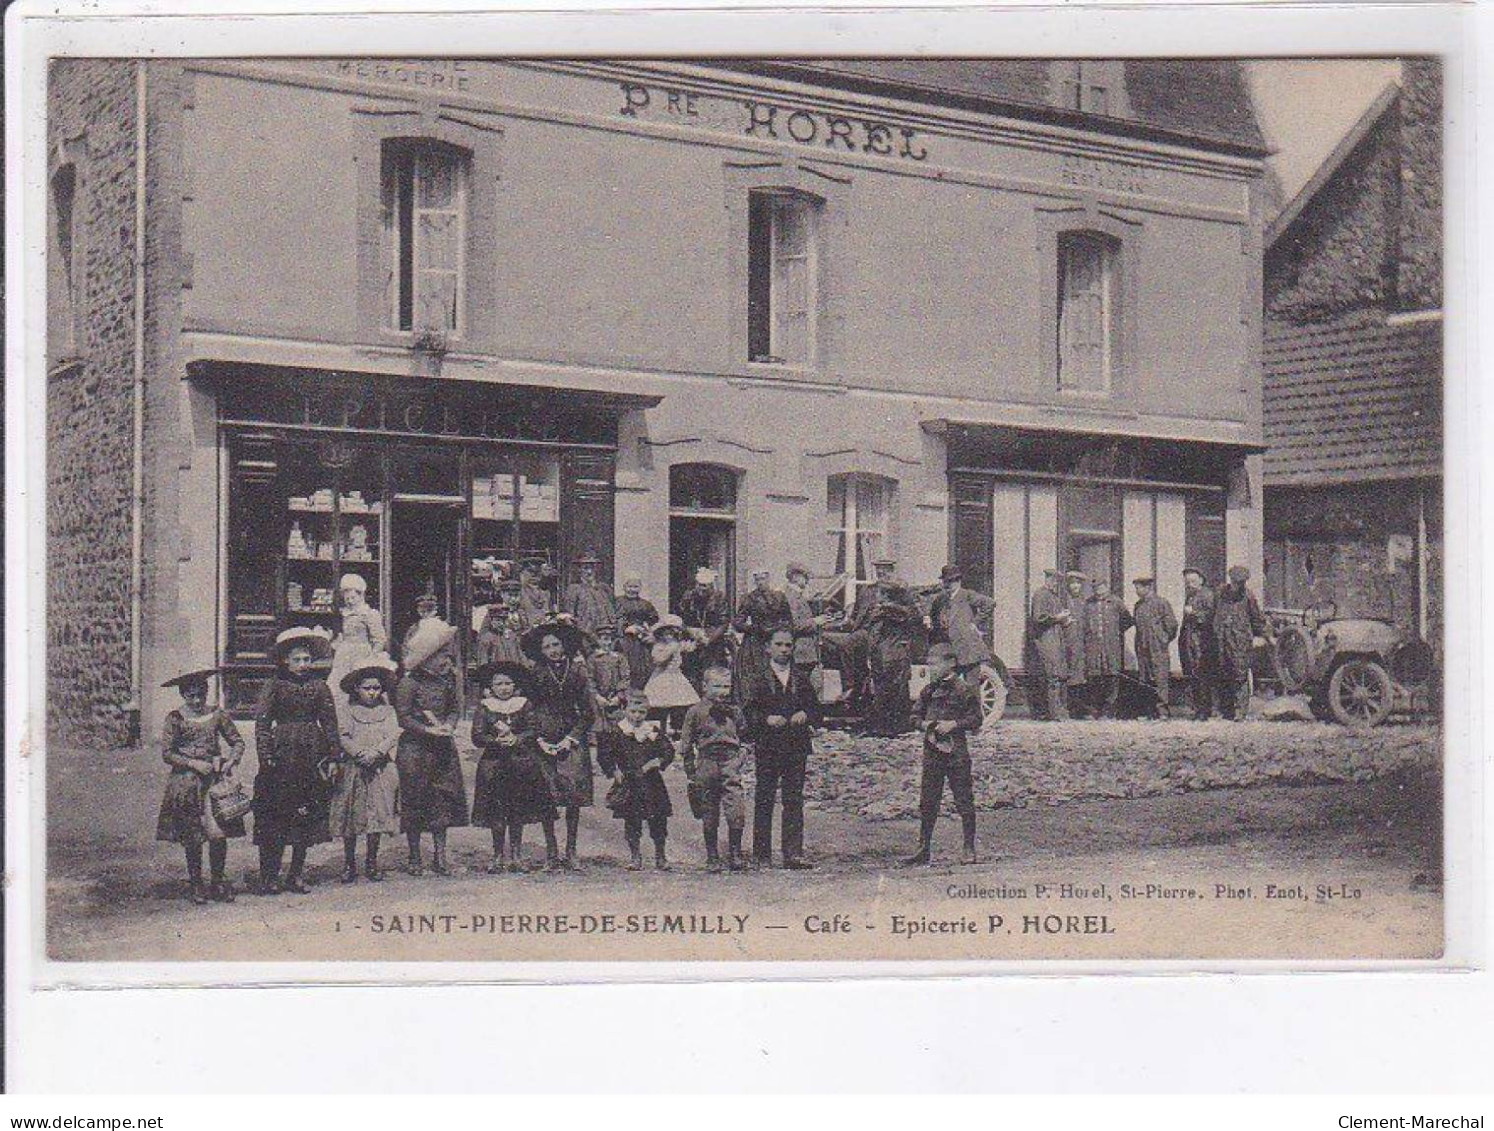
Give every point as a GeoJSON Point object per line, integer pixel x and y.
{"type": "Point", "coordinates": [1106, 620]}
{"type": "Point", "coordinates": [767, 697]}
{"type": "Point", "coordinates": [956, 618]}
{"type": "Point", "coordinates": [1196, 643]}
{"type": "Point", "coordinates": [948, 700]}
{"type": "Point", "coordinates": [1238, 620]}
{"type": "Point", "coordinates": [760, 613]}
{"type": "Point", "coordinates": [1156, 628]}
{"type": "Point", "coordinates": [1075, 644]}
{"type": "Point", "coordinates": [707, 612]}
{"type": "Point", "coordinates": [1046, 631]}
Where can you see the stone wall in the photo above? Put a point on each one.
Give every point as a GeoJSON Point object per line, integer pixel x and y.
{"type": "Point", "coordinates": [91, 124]}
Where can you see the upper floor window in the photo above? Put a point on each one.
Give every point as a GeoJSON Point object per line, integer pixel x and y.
{"type": "Point", "coordinates": [859, 513]}
{"type": "Point", "coordinates": [425, 205]}
{"type": "Point", "coordinates": [782, 283]}
{"type": "Point", "coordinates": [62, 278]}
{"type": "Point", "coordinates": [1087, 314]}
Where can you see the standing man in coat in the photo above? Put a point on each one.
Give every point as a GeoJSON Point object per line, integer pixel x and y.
{"type": "Point", "coordinates": [760, 612]}
{"type": "Point", "coordinates": [893, 625]}
{"type": "Point", "coordinates": [781, 710]}
{"type": "Point", "coordinates": [1156, 628]}
{"type": "Point", "coordinates": [1238, 620]}
{"type": "Point", "coordinates": [1197, 648]}
{"type": "Point", "coordinates": [1106, 620]}
{"type": "Point", "coordinates": [588, 602]}
{"type": "Point", "coordinates": [1075, 646]}
{"type": "Point", "coordinates": [807, 625]}
{"type": "Point", "coordinates": [704, 613]}
{"type": "Point", "coordinates": [1045, 627]}
{"type": "Point", "coordinates": [534, 598]}
{"type": "Point", "coordinates": [956, 617]}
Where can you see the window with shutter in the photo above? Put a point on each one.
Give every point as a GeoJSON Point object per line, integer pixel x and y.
{"type": "Point", "coordinates": [1086, 312]}
{"type": "Point", "coordinates": [858, 513]}
{"type": "Point", "coordinates": [781, 277]}
{"type": "Point", "coordinates": [425, 190]}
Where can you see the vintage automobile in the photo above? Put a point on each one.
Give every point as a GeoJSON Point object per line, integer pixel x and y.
{"type": "Point", "coordinates": [845, 692]}
{"type": "Point", "coordinates": [1353, 670]}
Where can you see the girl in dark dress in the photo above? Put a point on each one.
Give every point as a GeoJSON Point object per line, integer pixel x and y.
{"type": "Point", "coordinates": [635, 752]}
{"type": "Point", "coordinates": [190, 746]}
{"type": "Point", "coordinates": [431, 793]}
{"type": "Point", "coordinates": [511, 788]}
{"type": "Point", "coordinates": [564, 710]}
{"type": "Point", "coordinates": [295, 735]}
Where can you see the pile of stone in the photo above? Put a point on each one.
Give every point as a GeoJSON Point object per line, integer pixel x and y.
{"type": "Point", "coordinates": [1017, 763]}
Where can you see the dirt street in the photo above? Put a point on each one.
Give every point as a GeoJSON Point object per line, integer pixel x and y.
{"type": "Point", "coordinates": [1342, 863]}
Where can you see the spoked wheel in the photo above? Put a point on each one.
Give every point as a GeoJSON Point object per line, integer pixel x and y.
{"type": "Point", "coordinates": [992, 695]}
{"type": "Point", "coordinates": [1360, 693]}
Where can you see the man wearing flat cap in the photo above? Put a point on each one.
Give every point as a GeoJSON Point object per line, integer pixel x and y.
{"type": "Point", "coordinates": [588, 602]}
{"type": "Point", "coordinates": [1238, 620]}
{"type": "Point", "coordinates": [1156, 628]}
{"type": "Point", "coordinates": [1197, 648]}
{"type": "Point", "coordinates": [1047, 614]}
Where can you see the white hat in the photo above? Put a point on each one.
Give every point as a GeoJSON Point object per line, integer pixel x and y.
{"type": "Point", "coordinates": [705, 575]}
{"type": "Point", "coordinates": [430, 636]}
{"type": "Point", "coordinates": [353, 581]}
{"type": "Point", "coordinates": [317, 640]}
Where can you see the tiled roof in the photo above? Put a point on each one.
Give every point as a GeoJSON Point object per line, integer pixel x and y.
{"type": "Point", "coordinates": [1195, 100]}
{"type": "Point", "coordinates": [1353, 399]}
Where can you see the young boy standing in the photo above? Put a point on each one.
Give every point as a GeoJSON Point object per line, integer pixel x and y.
{"type": "Point", "coordinates": [947, 711]}
{"type": "Point", "coordinates": [711, 746]}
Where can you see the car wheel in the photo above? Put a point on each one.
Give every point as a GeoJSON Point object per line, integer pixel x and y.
{"type": "Point", "coordinates": [992, 695]}
{"type": "Point", "coordinates": [1360, 693]}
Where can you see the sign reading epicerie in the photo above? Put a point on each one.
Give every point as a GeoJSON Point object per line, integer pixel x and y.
{"type": "Point", "coordinates": [762, 119]}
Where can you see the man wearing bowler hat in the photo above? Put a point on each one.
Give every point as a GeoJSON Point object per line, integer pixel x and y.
{"type": "Point", "coordinates": [956, 617]}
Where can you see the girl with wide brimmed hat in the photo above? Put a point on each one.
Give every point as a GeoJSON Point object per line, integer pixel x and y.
{"type": "Point", "coordinates": [365, 791]}
{"type": "Point", "coordinates": [669, 693]}
{"type": "Point", "coordinates": [512, 789]}
{"type": "Point", "coordinates": [564, 711]}
{"type": "Point", "coordinates": [192, 738]}
{"type": "Point", "coordinates": [295, 736]}
{"type": "Point", "coordinates": [433, 797]}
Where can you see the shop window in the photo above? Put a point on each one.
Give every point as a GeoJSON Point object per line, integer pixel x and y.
{"type": "Point", "coordinates": [1087, 321]}
{"type": "Point", "coordinates": [62, 337]}
{"type": "Point", "coordinates": [782, 232]}
{"type": "Point", "coordinates": [424, 202]}
{"type": "Point", "coordinates": [859, 518]}
{"type": "Point", "coordinates": [515, 518]}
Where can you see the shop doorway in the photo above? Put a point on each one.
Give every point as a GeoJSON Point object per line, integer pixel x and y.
{"type": "Point", "coordinates": [702, 527]}
{"type": "Point", "coordinates": [424, 558]}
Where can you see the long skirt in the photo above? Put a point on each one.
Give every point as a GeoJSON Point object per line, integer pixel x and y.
{"type": "Point", "coordinates": [511, 788]}
{"type": "Point", "coordinates": [431, 793]}
{"type": "Point", "coordinates": [365, 801]}
{"type": "Point", "coordinates": [290, 797]}
{"type": "Point", "coordinates": [569, 776]}
{"type": "Point", "coordinates": [183, 816]}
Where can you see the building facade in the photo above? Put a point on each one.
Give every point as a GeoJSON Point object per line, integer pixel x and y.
{"type": "Point", "coordinates": [421, 320]}
{"type": "Point", "coordinates": [1353, 371]}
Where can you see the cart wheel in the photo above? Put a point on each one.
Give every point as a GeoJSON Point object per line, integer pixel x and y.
{"type": "Point", "coordinates": [992, 695]}
{"type": "Point", "coordinates": [1360, 693]}
{"type": "Point", "coordinates": [1292, 658]}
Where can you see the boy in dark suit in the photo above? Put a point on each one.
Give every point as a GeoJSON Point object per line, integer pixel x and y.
{"type": "Point", "coordinates": [781, 710]}
{"type": "Point", "coordinates": [947, 711]}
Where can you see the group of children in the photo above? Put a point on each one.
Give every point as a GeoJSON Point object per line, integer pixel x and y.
{"type": "Point", "coordinates": [388, 762]}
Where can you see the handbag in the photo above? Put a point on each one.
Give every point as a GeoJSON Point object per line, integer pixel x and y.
{"type": "Point", "coordinates": [229, 798]}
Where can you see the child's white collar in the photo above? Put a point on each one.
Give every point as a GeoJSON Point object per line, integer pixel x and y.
{"type": "Point", "coordinates": [505, 706]}
{"type": "Point", "coordinates": [646, 731]}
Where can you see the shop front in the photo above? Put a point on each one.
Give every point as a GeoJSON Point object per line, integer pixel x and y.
{"type": "Point", "coordinates": [1115, 508]}
{"type": "Point", "coordinates": [424, 487]}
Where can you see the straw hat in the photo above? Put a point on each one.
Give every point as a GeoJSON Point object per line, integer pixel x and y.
{"type": "Point", "coordinates": [511, 668]}
{"type": "Point", "coordinates": [568, 634]}
{"type": "Point", "coordinates": [382, 669]}
{"type": "Point", "coordinates": [192, 675]}
{"type": "Point", "coordinates": [318, 642]}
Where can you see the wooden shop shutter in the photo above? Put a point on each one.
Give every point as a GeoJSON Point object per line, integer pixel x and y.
{"type": "Point", "coordinates": [586, 516]}
{"type": "Point", "coordinates": [970, 497]}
